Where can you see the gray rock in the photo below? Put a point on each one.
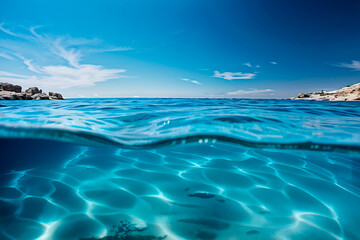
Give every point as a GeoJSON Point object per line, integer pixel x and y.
{"type": "Point", "coordinates": [303, 95]}
{"type": "Point", "coordinates": [7, 95]}
{"type": "Point", "coordinates": [53, 95]}
{"type": "Point", "coordinates": [44, 96]}
{"type": "Point", "coordinates": [33, 90]}
{"type": "Point", "coordinates": [10, 87]}
{"type": "Point", "coordinates": [35, 95]}
{"type": "Point", "coordinates": [21, 96]}
{"type": "Point", "coordinates": [14, 97]}
{"type": "Point", "coordinates": [40, 96]}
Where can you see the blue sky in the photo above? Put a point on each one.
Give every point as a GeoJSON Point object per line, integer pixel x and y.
{"type": "Point", "coordinates": [187, 48]}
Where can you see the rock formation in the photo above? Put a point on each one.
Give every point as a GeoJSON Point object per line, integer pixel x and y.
{"type": "Point", "coordinates": [13, 92]}
{"type": "Point", "coordinates": [33, 90]}
{"type": "Point", "coordinates": [349, 93]}
{"type": "Point", "coordinates": [10, 87]}
{"type": "Point", "coordinates": [53, 95]}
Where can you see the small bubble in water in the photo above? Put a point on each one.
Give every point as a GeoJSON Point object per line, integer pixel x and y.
{"type": "Point", "coordinates": [200, 141]}
{"type": "Point", "coordinates": [206, 140]}
{"type": "Point", "coordinates": [213, 141]}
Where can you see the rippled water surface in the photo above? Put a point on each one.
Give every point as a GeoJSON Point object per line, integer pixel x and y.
{"type": "Point", "coordinates": [179, 169]}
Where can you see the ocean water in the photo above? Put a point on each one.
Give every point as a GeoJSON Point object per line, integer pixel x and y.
{"type": "Point", "coordinates": [179, 169]}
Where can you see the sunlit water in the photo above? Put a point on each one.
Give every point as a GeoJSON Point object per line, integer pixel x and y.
{"type": "Point", "coordinates": [179, 169]}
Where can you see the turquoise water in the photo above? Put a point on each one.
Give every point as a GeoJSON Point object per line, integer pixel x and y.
{"type": "Point", "coordinates": [179, 169]}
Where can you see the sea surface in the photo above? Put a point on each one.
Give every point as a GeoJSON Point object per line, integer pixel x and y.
{"type": "Point", "coordinates": [179, 169]}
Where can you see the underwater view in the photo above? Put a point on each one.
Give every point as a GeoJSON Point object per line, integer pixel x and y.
{"type": "Point", "coordinates": [179, 169]}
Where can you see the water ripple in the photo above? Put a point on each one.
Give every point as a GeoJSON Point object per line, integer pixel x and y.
{"type": "Point", "coordinates": [149, 122]}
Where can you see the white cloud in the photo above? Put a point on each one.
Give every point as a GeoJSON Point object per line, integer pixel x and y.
{"type": "Point", "coordinates": [71, 55]}
{"type": "Point", "coordinates": [30, 66]}
{"type": "Point", "coordinates": [27, 62]}
{"type": "Point", "coordinates": [71, 73]}
{"type": "Point", "coordinates": [252, 91]}
{"type": "Point", "coordinates": [111, 49]}
{"type": "Point", "coordinates": [6, 55]}
{"type": "Point", "coordinates": [250, 65]}
{"type": "Point", "coordinates": [355, 65]}
{"type": "Point", "coordinates": [12, 75]}
{"type": "Point", "coordinates": [192, 81]}
{"type": "Point", "coordinates": [274, 63]}
{"type": "Point", "coordinates": [234, 75]}
{"type": "Point", "coordinates": [7, 31]}
{"type": "Point", "coordinates": [61, 77]}
{"type": "Point", "coordinates": [57, 47]}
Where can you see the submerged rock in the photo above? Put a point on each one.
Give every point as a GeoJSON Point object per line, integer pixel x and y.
{"type": "Point", "coordinates": [13, 92]}
{"type": "Point", "coordinates": [349, 93]}
{"type": "Point", "coordinates": [252, 232]}
{"type": "Point", "coordinates": [210, 223]}
{"type": "Point", "coordinates": [127, 231]}
{"type": "Point", "coordinates": [205, 195]}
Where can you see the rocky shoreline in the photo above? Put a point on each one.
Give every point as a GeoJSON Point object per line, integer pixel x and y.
{"type": "Point", "coordinates": [14, 92]}
{"type": "Point", "coordinates": [349, 93]}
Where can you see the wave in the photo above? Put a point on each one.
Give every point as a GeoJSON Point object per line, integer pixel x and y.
{"type": "Point", "coordinates": [151, 123]}
{"type": "Point", "coordinates": [95, 139]}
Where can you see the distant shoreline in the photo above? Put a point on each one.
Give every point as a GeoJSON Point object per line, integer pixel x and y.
{"type": "Point", "coordinates": [348, 93]}
{"type": "Point", "coordinates": [200, 98]}
{"type": "Point", "coordinates": [14, 92]}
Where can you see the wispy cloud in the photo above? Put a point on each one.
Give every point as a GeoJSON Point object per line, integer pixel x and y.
{"type": "Point", "coordinates": [111, 49]}
{"type": "Point", "coordinates": [11, 75]}
{"type": "Point", "coordinates": [234, 75]}
{"type": "Point", "coordinates": [355, 65]}
{"type": "Point", "coordinates": [246, 92]}
{"type": "Point", "coordinates": [71, 73]}
{"type": "Point", "coordinates": [251, 65]}
{"type": "Point", "coordinates": [192, 81]}
{"type": "Point", "coordinates": [61, 77]}
{"type": "Point", "coordinates": [30, 66]}
{"type": "Point", "coordinates": [56, 46]}
{"type": "Point", "coordinates": [274, 63]}
{"type": "Point", "coordinates": [6, 55]}
{"type": "Point", "coordinates": [7, 31]}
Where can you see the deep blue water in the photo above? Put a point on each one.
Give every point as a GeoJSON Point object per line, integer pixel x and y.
{"type": "Point", "coordinates": [179, 169]}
